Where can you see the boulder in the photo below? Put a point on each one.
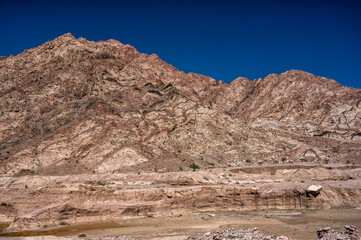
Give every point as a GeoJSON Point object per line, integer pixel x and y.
{"type": "Point", "coordinates": [314, 189]}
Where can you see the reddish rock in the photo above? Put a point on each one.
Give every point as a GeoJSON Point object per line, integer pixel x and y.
{"type": "Point", "coordinates": [74, 106]}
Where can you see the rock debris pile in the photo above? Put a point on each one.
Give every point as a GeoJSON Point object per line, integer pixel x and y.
{"type": "Point", "coordinates": [241, 234]}
{"type": "Point", "coordinates": [328, 233]}
{"type": "Point", "coordinates": [115, 238]}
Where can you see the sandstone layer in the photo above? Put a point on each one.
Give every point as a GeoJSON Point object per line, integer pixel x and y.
{"type": "Point", "coordinates": [37, 202]}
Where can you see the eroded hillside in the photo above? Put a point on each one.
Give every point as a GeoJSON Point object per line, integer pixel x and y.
{"type": "Point", "coordinates": [76, 106]}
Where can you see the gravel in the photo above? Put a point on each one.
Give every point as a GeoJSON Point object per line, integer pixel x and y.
{"type": "Point", "coordinates": [241, 234]}
{"type": "Point", "coordinates": [327, 233]}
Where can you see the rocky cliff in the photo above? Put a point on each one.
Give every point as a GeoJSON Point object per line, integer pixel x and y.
{"type": "Point", "coordinates": [50, 200]}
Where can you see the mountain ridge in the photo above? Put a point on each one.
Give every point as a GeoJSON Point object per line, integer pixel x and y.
{"type": "Point", "coordinates": [82, 106]}
{"type": "Point", "coordinates": [69, 36]}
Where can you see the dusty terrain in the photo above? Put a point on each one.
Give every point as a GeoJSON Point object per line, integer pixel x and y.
{"type": "Point", "coordinates": [96, 131]}
{"type": "Point", "coordinates": [301, 225]}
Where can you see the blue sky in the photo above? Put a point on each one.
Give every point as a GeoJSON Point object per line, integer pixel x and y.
{"type": "Point", "coordinates": [220, 39]}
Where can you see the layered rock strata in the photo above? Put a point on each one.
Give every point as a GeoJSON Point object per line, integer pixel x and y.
{"type": "Point", "coordinates": [30, 202]}
{"type": "Point", "coordinates": [74, 106]}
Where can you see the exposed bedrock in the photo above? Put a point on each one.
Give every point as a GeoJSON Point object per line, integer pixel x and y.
{"type": "Point", "coordinates": [72, 106]}
{"type": "Point", "coordinates": [75, 199]}
{"type": "Point", "coordinates": [145, 202]}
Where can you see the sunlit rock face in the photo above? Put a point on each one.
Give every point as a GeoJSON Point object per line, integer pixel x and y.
{"type": "Point", "coordinates": [75, 106]}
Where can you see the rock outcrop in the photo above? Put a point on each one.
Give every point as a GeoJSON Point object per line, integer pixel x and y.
{"type": "Point", "coordinates": [103, 197]}
{"type": "Point", "coordinates": [314, 189]}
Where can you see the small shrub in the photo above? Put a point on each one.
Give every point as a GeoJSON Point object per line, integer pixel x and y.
{"type": "Point", "coordinates": [205, 178]}
{"type": "Point", "coordinates": [82, 235]}
{"type": "Point", "coordinates": [100, 183]}
{"type": "Point", "coordinates": [26, 186]}
{"type": "Point", "coordinates": [194, 166]}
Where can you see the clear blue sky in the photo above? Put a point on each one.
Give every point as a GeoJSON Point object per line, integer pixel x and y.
{"type": "Point", "coordinates": [221, 39]}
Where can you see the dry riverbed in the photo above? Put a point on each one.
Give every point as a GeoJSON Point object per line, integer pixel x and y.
{"type": "Point", "coordinates": [301, 225]}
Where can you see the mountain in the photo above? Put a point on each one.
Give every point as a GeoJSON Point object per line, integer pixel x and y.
{"type": "Point", "coordinates": [295, 100]}
{"type": "Point", "coordinates": [74, 106]}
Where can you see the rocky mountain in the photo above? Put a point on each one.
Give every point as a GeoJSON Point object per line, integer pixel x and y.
{"type": "Point", "coordinates": [75, 106]}
{"type": "Point", "coordinates": [296, 101]}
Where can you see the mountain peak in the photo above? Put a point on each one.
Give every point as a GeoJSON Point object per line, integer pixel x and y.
{"type": "Point", "coordinates": [65, 38]}
{"type": "Point", "coordinates": [296, 71]}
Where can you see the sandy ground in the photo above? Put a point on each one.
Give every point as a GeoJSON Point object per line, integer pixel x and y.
{"type": "Point", "coordinates": [301, 225]}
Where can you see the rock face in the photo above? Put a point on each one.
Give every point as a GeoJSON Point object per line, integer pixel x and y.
{"type": "Point", "coordinates": [30, 202]}
{"type": "Point", "coordinates": [296, 101]}
{"type": "Point", "coordinates": [74, 106]}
